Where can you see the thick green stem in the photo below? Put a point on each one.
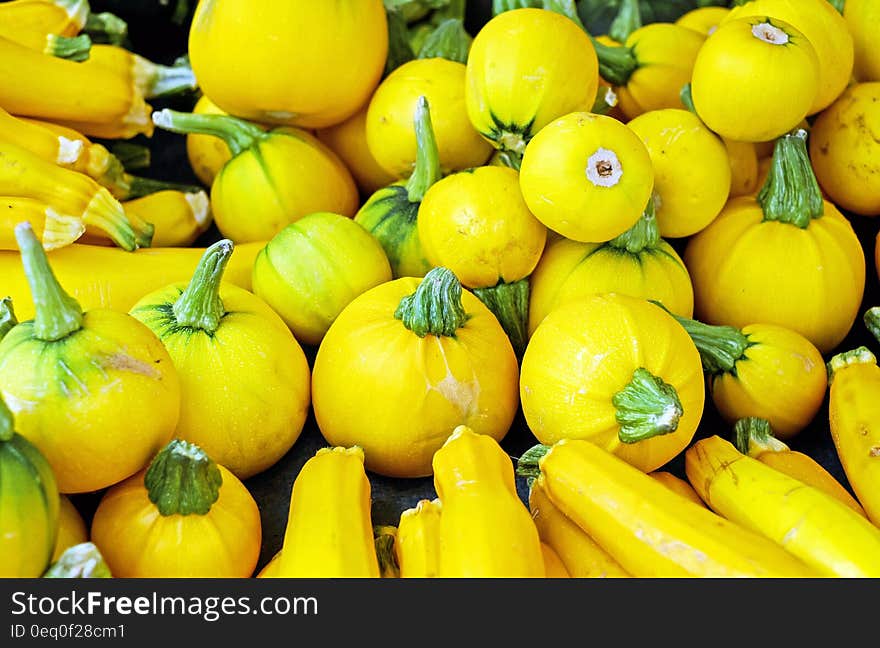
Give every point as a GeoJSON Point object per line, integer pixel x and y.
{"type": "Point", "coordinates": [7, 422]}
{"type": "Point", "coordinates": [644, 234]}
{"type": "Point", "coordinates": [529, 463]}
{"type": "Point", "coordinates": [238, 134]}
{"type": "Point", "coordinates": [567, 8]}
{"type": "Point", "coordinates": [168, 80]}
{"type": "Point", "coordinates": [130, 156]}
{"type": "Point", "coordinates": [859, 355]}
{"type": "Point", "coordinates": [872, 321]}
{"type": "Point", "coordinates": [616, 62]}
{"type": "Point", "coordinates": [399, 49]}
{"type": "Point", "coordinates": [72, 48]}
{"type": "Point", "coordinates": [510, 304]}
{"type": "Point", "coordinates": [427, 170]}
{"type": "Point", "coordinates": [791, 193]}
{"type": "Point", "coordinates": [435, 307]}
{"type": "Point", "coordinates": [8, 320]}
{"type": "Point", "coordinates": [133, 186]}
{"type": "Point", "coordinates": [183, 480]}
{"type": "Point", "coordinates": [753, 435]}
{"type": "Point", "coordinates": [200, 306]}
{"type": "Point", "coordinates": [453, 9]}
{"type": "Point", "coordinates": [449, 40]}
{"type": "Point", "coordinates": [720, 347]}
{"type": "Point", "coordinates": [106, 27]}
{"type": "Point", "coordinates": [57, 314]}
{"type": "Point", "coordinates": [83, 560]}
{"type": "Point", "coordinates": [628, 19]}
{"type": "Point", "coordinates": [646, 407]}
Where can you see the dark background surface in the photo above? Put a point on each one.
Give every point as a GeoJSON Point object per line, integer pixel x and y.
{"type": "Point", "coordinates": [153, 35]}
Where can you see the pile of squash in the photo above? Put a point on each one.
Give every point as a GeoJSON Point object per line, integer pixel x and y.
{"type": "Point", "coordinates": [417, 233]}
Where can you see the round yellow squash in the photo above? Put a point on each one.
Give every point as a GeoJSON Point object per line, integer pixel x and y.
{"type": "Point", "coordinates": [863, 21]}
{"type": "Point", "coordinates": [703, 20]}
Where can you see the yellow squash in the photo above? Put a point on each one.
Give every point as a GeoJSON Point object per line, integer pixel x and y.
{"type": "Point", "coordinates": [692, 172]}
{"type": "Point", "coordinates": [754, 437]}
{"type": "Point", "coordinates": [485, 529]}
{"type": "Point", "coordinates": [775, 71]}
{"type": "Point", "coordinates": [54, 230]}
{"type": "Point", "coordinates": [413, 359]}
{"type": "Point", "coordinates": [47, 87]}
{"type": "Point", "coordinates": [329, 533]}
{"type": "Point", "coordinates": [418, 540]}
{"type": "Point", "coordinates": [314, 268]}
{"type": "Point", "coordinates": [854, 412]}
{"type": "Point", "coordinates": [206, 154]}
{"type": "Point", "coordinates": [178, 217]}
{"type": "Point", "coordinates": [637, 263]}
{"type": "Point", "coordinates": [587, 177]}
{"type": "Point", "coordinates": [810, 524]}
{"type": "Point", "coordinates": [845, 149]}
{"type": "Point", "coordinates": [42, 142]}
{"type": "Point", "coordinates": [827, 32]}
{"type": "Point", "coordinates": [71, 376]}
{"type": "Point", "coordinates": [704, 20]}
{"type": "Point", "coordinates": [580, 554]}
{"type": "Point", "coordinates": [477, 224]}
{"type": "Point", "coordinates": [390, 135]}
{"type": "Point", "coordinates": [553, 565]}
{"type": "Point", "coordinates": [62, 17]}
{"type": "Point", "coordinates": [28, 504]}
{"type": "Point", "coordinates": [274, 177]}
{"type": "Point", "coordinates": [743, 158]}
{"type": "Point", "coordinates": [184, 516]}
{"type": "Point", "coordinates": [785, 257]}
{"type": "Point", "coordinates": [617, 371]}
{"type": "Point", "coordinates": [648, 529]}
{"type": "Point", "coordinates": [40, 39]}
{"type": "Point", "coordinates": [863, 22]}
{"type": "Point", "coordinates": [71, 528]}
{"type": "Point", "coordinates": [526, 68]}
{"type": "Point", "coordinates": [761, 370]}
{"type": "Point", "coordinates": [106, 277]}
{"type": "Point", "coordinates": [677, 485]}
{"type": "Point", "coordinates": [301, 63]}
{"type": "Point", "coordinates": [244, 379]}
{"type": "Point", "coordinates": [151, 79]}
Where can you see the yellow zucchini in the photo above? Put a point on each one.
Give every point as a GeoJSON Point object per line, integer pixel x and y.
{"type": "Point", "coordinates": [151, 79]}
{"type": "Point", "coordinates": [55, 148]}
{"type": "Point", "coordinates": [677, 484]}
{"type": "Point", "coordinates": [178, 217]}
{"type": "Point", "coordinates": [62, 17]}
{"type": "Point", "coordinates": [418, 540]}
{"type": "Point", "coordinates": [553, 565]}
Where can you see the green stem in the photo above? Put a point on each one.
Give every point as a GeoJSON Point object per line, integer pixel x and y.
{"type": "Point", "coordinates": [238, 134]}
{"type": "Point", "coordinates": [106, 27]}
{"type": "Point", "coordinates": [399, 49]}
{"type": "Point", "coordinates": [200, 306]}
{"type": "Point", "coordinates": [83, 560]}
{"type": "Point", "coordinates": [627, 20]}
{"type": "Point", "coordinates": [57, 314]}
{"type": "Point", "coordinates": [7, 316]}
{"type": "Point", "coordinates": [7, 422]}
{"type": "Point", "coordinates": [138, 187]}
{"type": "Point", "coordinates": [791, 193]}
{"type": "Point", "coordinates": [859, 355]}
{"type": "Point", "coordinates": [453, 9]}
{"type": "Point", "coordinates": [72, 48]}
{"type": "Point", "coordinates": [753, 435]}
{"type": "Point", "coordinates": [720, 347]}
{"type": "Point", "coordinates": [510, 304]}
{"type": "Point", "coordinates": [130, 156]}
{"type": "Point", "coordinates": [183, 480]}
{"type": "Point", "coordinates": [449, 40]}
{"type": "Point", "coordinates": [529, 463]}
{"type": "Point", "coordinates": [427, 170]}
{"type": "Point", "coordinates": [871, 319]}
{"type": "Point", "coordinates": [616, 62]}
{"type": "Point", "coordinates": [838, 4]}
{"type": "Point", "coordinates": [567, 8]}
{"type": "Point", "coordinates": [646, 407]}
{"type": "Point", "coordinates": [435, 307]}
{"type": "Point", "coordinates": [168, 80]}
{"type": "Point", "coordinates": [644, 234]}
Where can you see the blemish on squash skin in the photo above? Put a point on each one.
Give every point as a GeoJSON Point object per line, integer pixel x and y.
{"type": "Point", "coordinates": [124, 362]}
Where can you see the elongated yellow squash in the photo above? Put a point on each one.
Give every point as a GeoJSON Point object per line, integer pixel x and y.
{"type": "Point", "coordinates": [418, 540]}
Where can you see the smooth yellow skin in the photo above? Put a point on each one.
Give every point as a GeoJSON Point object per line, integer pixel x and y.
{"type": "Point", "coordinates": [526, 68]}
{"type": "Point", "coordinates": [782, 379]}
{"type": "Point", "coordinates": [417, 546]}
{"type": "Point", "coordinates": [391, 135]}
{"type": "Point", "coordinates": [692, 173]}
{"type": "Point", "coordinates": [666, 55]}
{"type": "Point", "coordinates": [178, 217]}
{"type": "Point", "coordinates": [845, 149]}
{"type": "Point", "coordinates": [485, 530]}
{"type": "Point", "coordinates": [553, 565]}
{"type": "Point", "coordinates": [810, 524]}
{"type": "Point", "coordinates": [244, 389]}
{"type": "Point", "coordinates": [125, 128]}
{"type": "Point", "coordinates": [69, 397]}
{"type": "Point", "coordinates": [303, 45]}
{"type": "Point", "coordinates": [776, 85]}
{"type": "Point", "coordinates": [650, 530]}
{"type": "Point", "coordinates": [278, 181]}
{"type": "Point", "coordinates": [554, 181]}
{"type": "Point", "coordinates": [44, 15]}
{"type": "Point", "coordinates": [71, 528]}
{"type": "Point", "coordinates": [53, 230]}
{"type": "Point", "coordinates": [569, 270]}
{"type": "Point", "coordinates": [329, 533]}
{"type": "Point", "coordinates": [741, 274]}
{"type": "Point", "coordinates": [677, 485]}
{"type": "Point", "coordinates": [477, 224]}
{"type": "Point", "coordinates": [105, 277]}
{"type": "Point", "coordinates": [39, 141]}
{"type": "Point", "coordinates": [139, 542]}
{"type": "Point", "coordinates": [403, 393]}
{"type": "Point", "coordinates": [703, 20]}
{"type": "Point", "coordinates": [313, 268]}
{"type": "Point", "coordinates": [48, 87]}
{"type": "Point", "coordinates": [827, 32]}
{"type": "Point", "coordinates": [349, 141]}
{"type": "Point", "coordinates": [863, 22]}
{"type": "Point", "coordinates": [743, 159]}
{"type": "Point", "coordinates": [579, 553]}
{"type": "Point", "coordinates": [207, 154]}
{"type": "Point", "coordinates": [854, 410]}
{"type": "Point", "coordinates": [585, 351]}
